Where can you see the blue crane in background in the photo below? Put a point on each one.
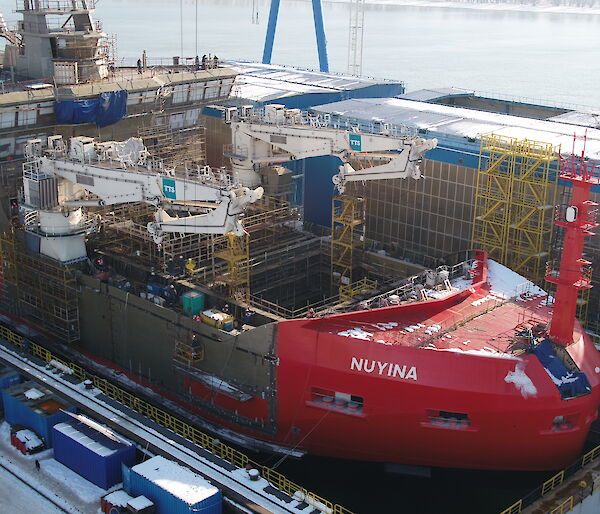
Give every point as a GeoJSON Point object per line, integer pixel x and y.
{"type": "Point", "coordinates": [319, 30]}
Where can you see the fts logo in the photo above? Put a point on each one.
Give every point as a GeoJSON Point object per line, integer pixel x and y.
{"type": "Point", "coordinates": [355, 142]}
{"type": "Point", "coordinates": [168, 186]}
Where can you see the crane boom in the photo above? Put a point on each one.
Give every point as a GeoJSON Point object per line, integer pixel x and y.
{"type": "Point", "coordinates": [121, 173]}
{"type": "Point", "coordinates": [281, 137]}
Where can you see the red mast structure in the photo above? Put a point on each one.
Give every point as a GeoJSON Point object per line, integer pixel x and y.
{"type": "Point", "coordinates": [578, 220]}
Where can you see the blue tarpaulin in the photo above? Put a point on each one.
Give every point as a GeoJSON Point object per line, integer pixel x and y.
{"type": "Point", "coordinates": [105, 110]}
{"type": "Point", "coordinates": [569, 383]}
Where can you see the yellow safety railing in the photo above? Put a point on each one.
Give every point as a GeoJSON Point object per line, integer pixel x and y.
{"type": "Point", "coordinates": [590, 456]}
{"type": "Point", "coordinates": [176, 425]}
{"type": "Point", "coordinates": [551, 483]}
{"type": "Point", "coordinates": [555, 481]}
{"type": "Point", "coordinates": [566, 506]}
{"type": "Point", "coordinates": [515, 508]}
{"type": "Point", "coordinates": [349, 291]}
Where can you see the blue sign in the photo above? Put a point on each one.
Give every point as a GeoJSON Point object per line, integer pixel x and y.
{"type": "Point", "coordinates": [356, 142]}
{"type": "Point", "coordinates": [168, 186]}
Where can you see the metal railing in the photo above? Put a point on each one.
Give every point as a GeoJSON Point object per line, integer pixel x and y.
{"type": "Point", "coordinates": [55, 5]}
{"type": "Point", "coordinates": [552, 483]}
{"type": "Point", "coordinates": [331, 120]}
{"type": "Point", "coordinates": [176, 425]}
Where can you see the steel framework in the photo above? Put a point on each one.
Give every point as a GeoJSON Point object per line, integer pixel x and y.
{"type": "Point", "coordinates": [347, 235]}
{"type": "Point", "coordinates": [319, 31]}
{"type": "Point", "coordinates": [46, 289]}
{"type": "Point", "coordinates": [235, 251]}
{"type": "Point", "coordinates": [514, 203]}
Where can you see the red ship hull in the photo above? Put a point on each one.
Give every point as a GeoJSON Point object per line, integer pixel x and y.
{"type": "Point", "coordinates": [388, 395]}
{"type": "Point", "coordinates": [403, 389]}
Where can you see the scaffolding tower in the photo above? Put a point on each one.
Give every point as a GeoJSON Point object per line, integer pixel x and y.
{"type": "Point", "coordinates": [348, 215]}
{"type": "Point", "coordinates": [514, 203]}
{"type": "Point", "coordinates": [184, 146]}
{"type": "Point", "coordinates": [46, 289]}
{"type": "Point", "coordinates": [235, 251]}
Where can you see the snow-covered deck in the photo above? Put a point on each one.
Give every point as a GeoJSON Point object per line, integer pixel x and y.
{"type": "Point", "coordinates": [483, 321]}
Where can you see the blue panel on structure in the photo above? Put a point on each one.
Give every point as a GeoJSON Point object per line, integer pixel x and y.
{"type": "Point", "coordinates": [112, 107]}
{"type": "Point", "coordinates": [105, 110]}
{"type": "Point", "coordinates": [271, 26]}
{"type": "Point", "coordinates": [9, 377]}
{"type": "Point", "coordinates": [37, 419]}
{"type": "Point", "coordinates": [569, 383]}
{"type": "Point", "coordinates": [90, 453]}
{"type": "Point", "coordinates": [452, 156]}
{"type": "Point", "coordinates": [318, 187]}
{"type": "Point", "coordinates": [73, 113]}
{"type": "Point", "coordinates": [320, 33]}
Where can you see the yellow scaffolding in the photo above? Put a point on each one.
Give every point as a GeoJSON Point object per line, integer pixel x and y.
{"type": "Point", "coordinates": [235, 251]}
{"type": "Point", "coordinates": [347, 235]}
{"type": "Point", "coordinates": [514, 203]}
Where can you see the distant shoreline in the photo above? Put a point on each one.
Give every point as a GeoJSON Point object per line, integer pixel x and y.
{"type": "Point", "coordinates": [543, 6]}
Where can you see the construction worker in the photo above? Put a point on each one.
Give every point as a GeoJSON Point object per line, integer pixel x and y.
{"type": "Point", "coordinates": [311, 313]}
{"type": "Point", "coordinates": [248, 315]}
{"type": "Point", "coordinates": [190, 265]}
{"type": "Point", "coordinates": [226, 308]}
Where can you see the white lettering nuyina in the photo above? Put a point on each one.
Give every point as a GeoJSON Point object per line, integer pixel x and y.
{"type": "Point", "coordinates": [384, 368]}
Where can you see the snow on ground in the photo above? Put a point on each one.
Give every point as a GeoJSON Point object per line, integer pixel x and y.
{"type": "Point", "coordinates": [16, 497]}
{"type": "Point", "coordinates": [73, 492]}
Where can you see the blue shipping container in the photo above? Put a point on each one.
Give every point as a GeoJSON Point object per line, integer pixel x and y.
{"type": "Point", "coordinates": [8, 377]}
{"type": "Point", "coordinates": [90, 453]}
{"type": "Point", "coordinates": [39, 415]}
{"type": "Point", "coordinates": [173, 488]}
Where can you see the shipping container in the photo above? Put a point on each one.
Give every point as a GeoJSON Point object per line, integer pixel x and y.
{"type": "Point", "coordinates": [34, 406]}
{"type": "Point", "coordinates": [193, 302]}
{"type": "Point", "coordinates": [174, 489]}
{"type": "Point", "coordinates": [95, 455]}
{"type": "Point", "coordinates": [8, 377]}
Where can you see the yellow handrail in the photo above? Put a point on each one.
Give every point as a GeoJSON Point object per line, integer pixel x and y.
{"type": "Point", "coordinates": [551, 483]}
{"type": "Point", "coordinates": [515, 508]}
{"type": "Point", "coordinates": [564, 507]}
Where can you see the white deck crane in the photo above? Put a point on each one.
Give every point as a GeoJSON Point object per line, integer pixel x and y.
{"type": "Point", "coordinates": [281, 136]}
{"type": "Point", "coordinates": [121, 172]}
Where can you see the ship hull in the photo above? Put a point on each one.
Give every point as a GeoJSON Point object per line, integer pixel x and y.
{"type": "Point", "coordinates": [399, 421]}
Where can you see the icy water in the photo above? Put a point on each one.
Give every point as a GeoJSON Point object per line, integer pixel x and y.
{"type": "Point", "coordinates": [501, 48]}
